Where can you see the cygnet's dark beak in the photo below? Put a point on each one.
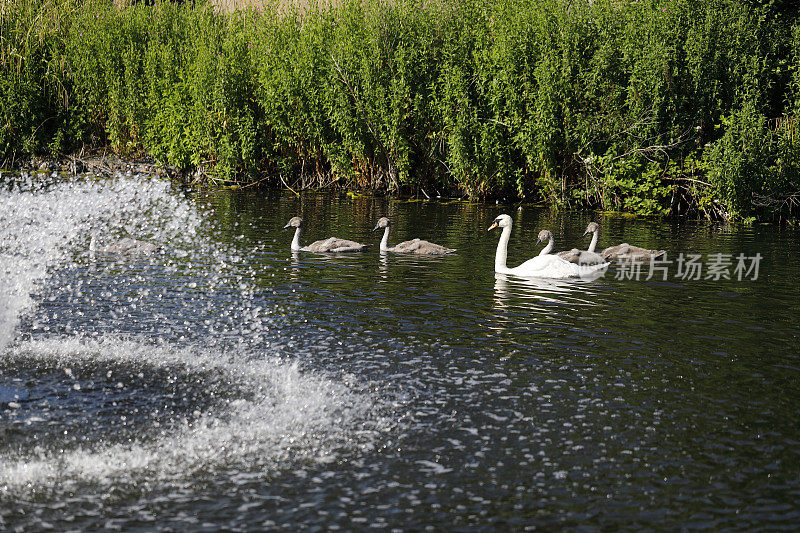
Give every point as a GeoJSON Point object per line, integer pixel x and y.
{"type": "Point", "coordinates": [587, 232]}
{"type": "Point", "coordinates": [494, 225]}
{"type": "Point", "coordinates": [538, 242]}
{"type": "Point", "coordinates": [288, 225]}
{"type": "Point", "coordinates": [377, 227]}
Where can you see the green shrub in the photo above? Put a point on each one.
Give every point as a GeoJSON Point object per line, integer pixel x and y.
{"type": "Point", "coordinates": [753, 165]}
{"type": "Point", "coordinates": [606, 104]}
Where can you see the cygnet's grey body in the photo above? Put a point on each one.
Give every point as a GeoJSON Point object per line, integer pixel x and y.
{"type": "Point", "coordinates": [585, 257]}
{"type": "Point", "coordinates": [330, 245]}
{"type": "Point", "coordinates": [414, 246]}
{"type": "Point", "coordinates": [124, 246]}
{"type": "Point", "coordinates": [620, 252]}
{"type": "Point", "coordinates": [628, 252]}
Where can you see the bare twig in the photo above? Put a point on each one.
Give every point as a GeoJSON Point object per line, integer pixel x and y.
{"type": "Point", "coordinates": [287, 186]}
{"type": "Point", "coordinates": [497, 122]}
{"type": "Point", "coordinates": [689, 180]}
{"type": "Point", "coordinates": [781, 200]}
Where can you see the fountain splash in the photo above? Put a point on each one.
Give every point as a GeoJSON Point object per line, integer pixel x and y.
{"type": "Point", "coordinates": [255, 411]}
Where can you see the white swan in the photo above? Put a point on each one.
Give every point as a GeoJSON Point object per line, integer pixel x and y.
{"type": "Point", "coordinates": [543, 265]}
{"type": "Point", "coordinates": [415, 246]}
{"type": "Point", "coordinates": [124, 246]}
{"type": "Point", "coordinates": [585, 257]}
{"type": "Point", "coordinates": [330, 245]}
{"type": "Point", "coordinates": [621, 252]}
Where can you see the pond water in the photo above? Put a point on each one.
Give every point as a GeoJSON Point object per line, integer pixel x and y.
{"type": "Point", "coordinates": [226, 383]}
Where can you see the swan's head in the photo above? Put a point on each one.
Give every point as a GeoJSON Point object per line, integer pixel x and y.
{"type": "Point", "coordinates": [544, 236]}
{"type": "Point", "coordinates": [295, 222]}
{"type": "Point", "coordinates": [593, 227]}
{"type": "Point", "coordinates": [502, 221]}
{"type": "Point", "coordinates": [383, 222]}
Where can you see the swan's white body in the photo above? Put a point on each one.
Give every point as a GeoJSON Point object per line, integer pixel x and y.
{"type": "Point", "coordinates": [414, 246]}
{"type": "Point", "coordinates": [543, 265]}
{"type": "Point", "coordinates": [331, 245]}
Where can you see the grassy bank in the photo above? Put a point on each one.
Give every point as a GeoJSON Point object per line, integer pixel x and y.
{"type": "Point", "coordinates": [651, 107]}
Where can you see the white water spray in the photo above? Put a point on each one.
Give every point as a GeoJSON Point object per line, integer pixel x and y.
{"type": "Point", "coordinates": [285, 413]}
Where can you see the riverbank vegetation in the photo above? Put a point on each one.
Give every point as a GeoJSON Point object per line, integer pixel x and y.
{"type": "Point", "coordinates": [649, 106]}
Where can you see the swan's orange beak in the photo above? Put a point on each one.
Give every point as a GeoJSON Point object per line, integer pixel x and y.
{"type": "Point", "coordinates": [494, 225]}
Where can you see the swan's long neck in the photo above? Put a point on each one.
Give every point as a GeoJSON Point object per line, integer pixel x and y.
{"type": "Point", "coordinates": [549, 248]}
{"type": "Point", "coordinates": [502, 251]}
{"type": "Point", "coordinates": [296, 240]}
{"type": "Point", "coordinates": [385, 239]}
{"type": "Point", "coordinates": [593, 244]}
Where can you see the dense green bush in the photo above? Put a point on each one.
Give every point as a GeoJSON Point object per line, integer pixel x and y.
{"type": "Point", "coordinates": [646, 106]}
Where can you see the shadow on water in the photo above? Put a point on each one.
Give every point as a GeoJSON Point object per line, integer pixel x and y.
{"type": "Point", "coordinates": [229, 383]}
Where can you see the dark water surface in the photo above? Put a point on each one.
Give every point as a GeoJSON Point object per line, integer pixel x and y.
{"type": "Point", "coordinates": [227, 384]}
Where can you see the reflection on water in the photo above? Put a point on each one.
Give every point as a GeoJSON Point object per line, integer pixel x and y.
{"type": "Point", "coordinates": [228, 383]}
{"type": "Point", "coordinates": [539, 295]}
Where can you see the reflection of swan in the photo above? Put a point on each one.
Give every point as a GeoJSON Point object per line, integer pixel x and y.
{"type": "Point", "coordinates": [506, 287]}
{"type": "Point", "coordinates": [383, 267]}
{"type": "Point", "coordinates": [621, 252]}
{"type": "Point", "coordinates": [542, 266]}
{"type": "Point", "coordinates": [123, 246]}
{"type": "Point", "coordinates": [585, 257]}
{"type": "Point", "coordinates": [554, 300]}
{"type": "Point", "coordinates": [536, 292]}
{"type": "Point", "coordinates": [415, 246]}
{"type": "Point", "coordinates": [295, 266]}
{"type": "Point", "coordinates": [330, 245]}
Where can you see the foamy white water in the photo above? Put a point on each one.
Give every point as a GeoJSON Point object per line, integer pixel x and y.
{"type": "Point", "coordinates": [44, 227]}
{"type": "Point", "coordinates": [287, 414]}
{"type": "Point", "coordinates": [278, 415]}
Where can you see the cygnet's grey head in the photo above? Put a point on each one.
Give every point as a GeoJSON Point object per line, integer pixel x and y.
{"type": "Point", "coordinates": [501, 221]}
{"type": "Point", "coordinates": [383, 222]}
{"type": "Point", "coordinates": [295, 222]}
{"type": "Point", "coordinates": [591, 228]}
{"type": "Point", "coordinates": [544, 236]}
